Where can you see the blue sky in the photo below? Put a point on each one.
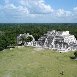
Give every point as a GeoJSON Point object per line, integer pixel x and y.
{"type": "Point", "coordinates": [38, 11]}
{"type": "Point", "coordinates": [65, 4]}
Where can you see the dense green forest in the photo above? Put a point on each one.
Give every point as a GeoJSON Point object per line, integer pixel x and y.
{"type": "Point", "coordinates": [9, 32]}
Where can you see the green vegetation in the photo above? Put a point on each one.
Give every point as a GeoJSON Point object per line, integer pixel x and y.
{"type": "Point", "coordinates": [11, 31]}
{"type": "Point", "coordinates": [75, 53]}
{"type": "Point", "coordinates": [28, 39]}
{"type": "Point", "coordinates": [36, 62]}
{"type": "Point", "coordinates": [3, 42]}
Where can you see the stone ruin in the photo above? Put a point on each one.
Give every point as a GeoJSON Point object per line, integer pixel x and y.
{"type": "Point", "coordinates": [56, 40]}
{"type": "Point", "coordinates": [21, 39]}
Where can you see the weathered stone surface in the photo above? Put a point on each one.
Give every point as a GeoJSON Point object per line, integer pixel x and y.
{"type": "Point", "coordinates": [59, 40]}
{"type": "Point", "coordinates": [21, 39]}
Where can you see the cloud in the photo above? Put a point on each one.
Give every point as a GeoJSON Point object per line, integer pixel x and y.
{"type": "Point", "coordinates": [13, 11]}
{"type": "Point", "coordinates": [31, 6]}
{"type": "Point", "coordinates": [35, 10]}
{"type": "Point", "coordinates": [75, 9]}
{"type": "Point", "coordinates": [36, 6]}
{"type": "Point", "coordinates": [25, 8]}
{"type": "Point", "coordinates": [9, 6]}
{"type": "Point", "coordinates": [62, 13]}
{"type": "Point", "coordinates": [75, 13]}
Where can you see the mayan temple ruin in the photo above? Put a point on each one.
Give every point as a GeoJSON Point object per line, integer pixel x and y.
{"type": "Point", "coordinates": [56, 40]}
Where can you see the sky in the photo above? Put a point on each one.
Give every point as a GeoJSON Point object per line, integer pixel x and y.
{"type": "Point", "coordinates": [38, 11]}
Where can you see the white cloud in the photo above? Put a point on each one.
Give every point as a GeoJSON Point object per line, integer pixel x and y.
{"type": "Point", "coordinates": [13, 11]}
{"type": "Point", "coordinates": [75, 9]}
{"type": "Point", "coordinates": [62, 13]}
{"type": "Point", "coordinates": [9, 6]}
{"type": "Point", "coordinates": [36, 6]}
{"type": "Point", "coordinates": [75, 12]}
{"type": "Point", "coordinates": [35, 10]}
{"type": "Point", "coordinates": [25, 8]}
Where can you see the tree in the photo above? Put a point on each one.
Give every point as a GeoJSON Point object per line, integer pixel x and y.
{"type": "Point", "coordinates": [28, 39]}
{"type": "Point", "coordinates": [75, 53]}
{"type": "Point", "coordinates": [3, 42]}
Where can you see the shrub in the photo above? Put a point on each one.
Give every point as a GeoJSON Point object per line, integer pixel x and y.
{"type": "Point", "coordinates": [28, 39]}
{"type": "Point", "coordinates": [75, 53]}
{"type": "Point", "coordinates": [3, 42]}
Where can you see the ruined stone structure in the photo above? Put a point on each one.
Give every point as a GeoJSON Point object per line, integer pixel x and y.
{"type": "Point", "coordinates": [58, 40]}
{"type": "Point", "coordinates": [21, 39]}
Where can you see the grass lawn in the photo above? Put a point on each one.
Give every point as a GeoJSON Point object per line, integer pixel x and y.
{"type": "Point", "coordinates": [35, 62]}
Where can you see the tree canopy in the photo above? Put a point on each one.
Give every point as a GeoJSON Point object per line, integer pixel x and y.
{"type": "Point", "coordinates": [11, 31]}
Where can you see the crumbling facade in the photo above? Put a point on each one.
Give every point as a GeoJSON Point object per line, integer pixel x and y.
{"type": "Point", "coordinates": [21, 39]}
{"type": "Point", "coordinates": [57, 40]}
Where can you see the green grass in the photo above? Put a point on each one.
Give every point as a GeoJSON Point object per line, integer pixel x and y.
{"type": "Point", "coordinates": [31, 62]}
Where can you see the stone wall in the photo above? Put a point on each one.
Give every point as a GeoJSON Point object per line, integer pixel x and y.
{"type": "Point", "coordinates": [59, 40]}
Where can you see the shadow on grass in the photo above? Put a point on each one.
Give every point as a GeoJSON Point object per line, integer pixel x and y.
{"type": "Point", "coordinates": [72, 57]}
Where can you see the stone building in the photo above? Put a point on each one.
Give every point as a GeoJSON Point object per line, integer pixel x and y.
{"type": "Point", "coordinates": [58, 40]}
{"type": "Point", "coordinates": [21, 39]}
